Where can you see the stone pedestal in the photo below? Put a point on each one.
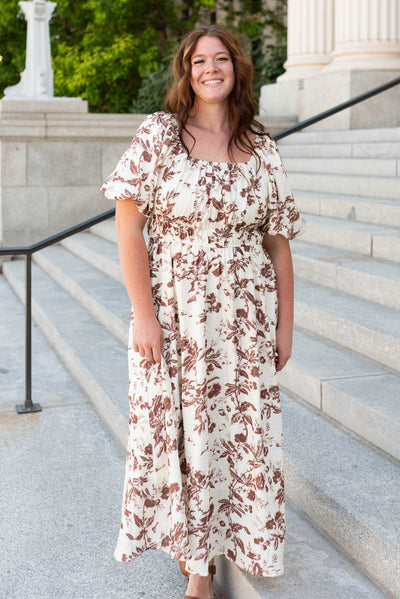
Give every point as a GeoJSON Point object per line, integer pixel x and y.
{"type": "Point", "coordinates": [54, 157]}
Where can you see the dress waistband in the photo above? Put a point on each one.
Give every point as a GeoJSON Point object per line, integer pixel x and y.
{"type": "Point", "coordinates": [218, 237]}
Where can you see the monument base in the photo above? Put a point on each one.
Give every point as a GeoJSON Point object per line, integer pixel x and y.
{"type": "Point", "coordinates": [311, 95]}
{"type": "Point", "coordinates": [54, 156]}
{"type": "Point", "coordinates": [30, 108]}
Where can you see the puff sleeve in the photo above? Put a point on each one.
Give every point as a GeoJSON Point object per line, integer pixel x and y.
{"type": "Point", "coordinates": [135, 175]}
{"type": "Point", "coordinates": [283, 217]}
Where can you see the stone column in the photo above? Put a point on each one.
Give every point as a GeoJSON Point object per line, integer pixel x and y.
{"type": "Point", "coordinates": [310, 37]}
{"type": "Point", "coordinates": [367, 35]}
{"type": "Point", "coordinates": [37, 78]}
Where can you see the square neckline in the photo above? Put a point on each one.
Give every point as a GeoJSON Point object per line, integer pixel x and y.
{"type": "Point", "coordinates": [203, 160]}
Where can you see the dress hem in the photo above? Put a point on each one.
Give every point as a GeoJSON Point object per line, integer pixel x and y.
{"type": "Point", "coordinates": [176, 557]}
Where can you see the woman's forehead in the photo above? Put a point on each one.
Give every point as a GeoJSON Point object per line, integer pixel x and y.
{"type": "Point", "coordinates": [209, 44]}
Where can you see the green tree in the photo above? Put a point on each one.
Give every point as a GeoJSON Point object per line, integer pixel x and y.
{"type": "Point", "coordinates": [116, 53]}
{"type": "Point", "coordinates": [12, 43]}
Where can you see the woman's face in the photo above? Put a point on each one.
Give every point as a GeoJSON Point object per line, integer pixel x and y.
{"type": "Point", "coordinates": [212, 77]}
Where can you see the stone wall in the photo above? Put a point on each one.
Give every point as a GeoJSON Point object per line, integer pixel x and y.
{"type": "Point", "coordinates": [53, 158]}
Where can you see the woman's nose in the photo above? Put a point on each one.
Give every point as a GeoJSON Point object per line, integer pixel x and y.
{"type": "Point", "coordinates": [211, 66]}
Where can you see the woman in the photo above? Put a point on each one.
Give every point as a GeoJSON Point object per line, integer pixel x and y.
{"type": "Point", "coordinates": [211, 324]}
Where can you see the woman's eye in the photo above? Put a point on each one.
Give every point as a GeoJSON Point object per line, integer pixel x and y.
{"type": "Point", "coordinates": [223, 58]}
{"type": "Point", "coordinates": [199, 61]}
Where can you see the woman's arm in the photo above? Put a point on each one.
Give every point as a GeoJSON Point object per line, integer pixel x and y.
{"type": "Point", "coordinates": [147, 334]}
{"type": "Point", "coordinates": [278, 248]}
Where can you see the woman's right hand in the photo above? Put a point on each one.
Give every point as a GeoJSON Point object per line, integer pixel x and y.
{"type": "Point", "coordinates": [148, 338]}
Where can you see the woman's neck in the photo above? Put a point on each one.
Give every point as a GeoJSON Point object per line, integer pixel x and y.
{"type": "Point", "coordinates": [211, 117]}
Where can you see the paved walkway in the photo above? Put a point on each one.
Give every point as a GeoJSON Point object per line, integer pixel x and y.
{"type": "Point", "coordinates": [61, 479]}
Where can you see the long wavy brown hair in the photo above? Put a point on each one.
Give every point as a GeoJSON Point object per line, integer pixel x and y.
{"type": "Point", "coordinates": [241, 104]}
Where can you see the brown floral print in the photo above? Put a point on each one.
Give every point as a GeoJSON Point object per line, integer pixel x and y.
{"type": "Point", "coordinates": [204, 463]}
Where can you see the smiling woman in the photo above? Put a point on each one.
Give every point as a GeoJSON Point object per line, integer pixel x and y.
{"type": "Point", "coordinates": [212, 303]}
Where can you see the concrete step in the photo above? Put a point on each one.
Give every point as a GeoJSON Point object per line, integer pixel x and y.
{"type": "Point", "coordinates": [388, 149]}
{"type": "Point", "coordinates": [339, 136]}
{"type": "Point", "coordinates": [376, 211]}
{"type": "Point", "coordinates": [52, 386]}
{"type": "Point", "coordinates": [357, 394]}
{"type": "Point", "coordinates": [86, 246]}
{"type": "Point", "coordinates": [312, 571]}
{"type": "Point", "coordinates": [361, 238]}
{"type": "Point", "coordinates": [106, 230]}
{"type": "Point", "coordinates": [367, 278]}
{"type": "Point", "coordinates": [346, 489]}
{"type": "Point", "coordinates": [369, 167]}
{"type": "Point", "coordinates": [102, 297]}
{"type": "Point", "coordinates": [370, 186]}
{"type": "Point", "coordinates": [370, 330]}
{"type": "Point", "coordinates": [93, 358]}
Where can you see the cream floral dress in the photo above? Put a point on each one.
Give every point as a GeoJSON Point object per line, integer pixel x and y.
{"type": "Point", "coordinates": [204, 462]}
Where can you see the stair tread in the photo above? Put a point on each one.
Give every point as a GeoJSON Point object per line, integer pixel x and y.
{"type": "Point", "coordinates": [384, 321]}
{"type": "Point", "coordinates": [313, 570]}
{"type": "Point", "coordinates": [316, 363]}
{"type": "Point", "coordinates": [351, 474]}
{"type": "Point", "coordinates": [51, 384]}
{"type": "Point", "coordinates": [106, 230]}
{"type": "Point", "coordinates": [353, 226]}
{"type": "Point", "coordinates": [379, 211]}
{"type": "Point", "coordinates": [350, 149]}
{"type": "Point", "coordinates": [361, 396]}
{"type": "Point", "coordinates": [350, 260]}
{"type": "Point", "coordinates": [81, 333]}
{"type": "Point", "coordinates": [388, 134]}
{"type": "Point", "coordinates": [109, 293]}
{"type": "Point", "coordinates": [373, 186]}
{"type": "Point", "coordinates": [346, 198]}
{"type": "Point", "coordinates": [379, 393]}
{"type": "Point", "coordinates": [107, 248]}
{"type": "Point", "coordinates": [367, 167]}
{"type": "Point", "coordinates": [328, 361]}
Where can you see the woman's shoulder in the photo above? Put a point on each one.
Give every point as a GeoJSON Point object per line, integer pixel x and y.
{"type": "Point", "coordinates": [266, 143]}
{"type": "Point", "coordinates": [158, 121]}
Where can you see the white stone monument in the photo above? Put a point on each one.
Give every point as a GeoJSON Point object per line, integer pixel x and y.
{"type": "Point", "coordinates": [37, 78]}
{"type": "Point", "coordinates": [34, 93]}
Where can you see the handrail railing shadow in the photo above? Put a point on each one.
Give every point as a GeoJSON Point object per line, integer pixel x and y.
{"type": "Point", "coordinates": [28, 251]}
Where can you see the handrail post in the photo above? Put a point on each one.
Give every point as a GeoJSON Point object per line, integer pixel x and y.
{"type": "Point", "coordinates": [28, 406]}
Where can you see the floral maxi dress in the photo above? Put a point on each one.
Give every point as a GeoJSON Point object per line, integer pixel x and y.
{"type": "Point", "coordinates": [204, 464]}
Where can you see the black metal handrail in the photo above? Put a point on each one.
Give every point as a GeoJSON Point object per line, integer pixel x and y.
{"type": "Point", "coordinates": [29, 406]}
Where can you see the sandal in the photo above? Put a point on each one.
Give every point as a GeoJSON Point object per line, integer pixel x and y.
{"type": "Point", "coordinates": [211, 570]}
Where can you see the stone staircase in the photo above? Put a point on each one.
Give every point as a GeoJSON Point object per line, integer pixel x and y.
{"type": "Point", "coordinates": [340, 391]}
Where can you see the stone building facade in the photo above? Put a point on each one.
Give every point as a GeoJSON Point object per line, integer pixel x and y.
{"type": "Point", "coordinates": [338, 49]}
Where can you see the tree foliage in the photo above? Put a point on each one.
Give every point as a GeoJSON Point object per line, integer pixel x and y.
{"type": "Point", "coordinates": [117, 53]}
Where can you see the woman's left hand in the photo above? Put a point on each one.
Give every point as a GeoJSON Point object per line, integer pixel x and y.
{"type": "Point", "coordinates": [283, 347]}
